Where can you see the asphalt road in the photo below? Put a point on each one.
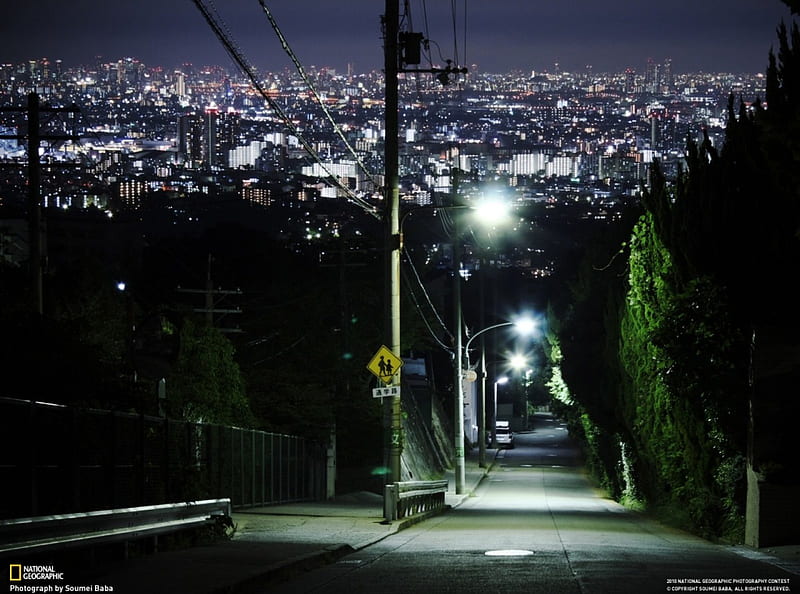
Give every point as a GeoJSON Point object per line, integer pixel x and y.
{"type": "Point", "coordinates": [537, 525]}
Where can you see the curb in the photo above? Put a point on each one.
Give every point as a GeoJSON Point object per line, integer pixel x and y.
{"type": "Point", "coordinates": [284, 570]}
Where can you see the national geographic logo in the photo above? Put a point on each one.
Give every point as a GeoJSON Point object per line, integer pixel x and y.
{"type": "Point", "coordinates": [18, 572]}
{"type": "Point", "coordinates": [24, 578]}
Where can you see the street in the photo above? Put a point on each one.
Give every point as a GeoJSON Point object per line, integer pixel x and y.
{"type": "Point", "coordinates": [536, 524]}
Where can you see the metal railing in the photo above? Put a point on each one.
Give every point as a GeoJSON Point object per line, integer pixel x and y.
{"type": "Point", "coordinates": [56, 459]}
{"type": "Point", "coordinates": [41, 533]}
{"type": "Point", "coordinates": [411, 498]}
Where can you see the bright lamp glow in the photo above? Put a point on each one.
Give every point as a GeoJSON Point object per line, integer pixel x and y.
{"type": "Point", "coordinates": [501, 380]}
{"type": "Point", "coordinates": [525, 326]}
{"type": "Point", "coordinates": [518, 361]}
{"type": "Point", "coordinates": [492, 211]}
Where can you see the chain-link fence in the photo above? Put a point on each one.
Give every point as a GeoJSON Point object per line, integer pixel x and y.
{"type": "Point", "coordinates": [58, 459]}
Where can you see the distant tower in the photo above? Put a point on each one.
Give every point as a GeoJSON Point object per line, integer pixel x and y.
{"type": "Point", "coordinates": [210, 136]}
{"type": "Point", "coordinates": [667, 78]}
{"type": "Point", "coordinates": [190, 139]}
{"type": "Point", "coordinates": [220, 134]}
{"type": "Point", "coordinates": [630, 80]}
{"type": "Point", "coordinates": [180, 84]}
{"type": "Point", "coordinates": [655, 131]}
{"type": "Point", "coordinates": [228, 132]}
{"type": "Point", "coordinates": [651, 76]}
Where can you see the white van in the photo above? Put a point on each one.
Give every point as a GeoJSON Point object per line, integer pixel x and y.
{"type": "Point", "coordinates": [503, 435]}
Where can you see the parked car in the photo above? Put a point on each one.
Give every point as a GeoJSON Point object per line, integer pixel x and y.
{"type": "Point", "coordinates": [503, 435]}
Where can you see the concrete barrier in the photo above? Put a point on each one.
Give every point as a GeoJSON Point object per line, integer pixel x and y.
{"type": "Point", "coordinates": [405, 499]}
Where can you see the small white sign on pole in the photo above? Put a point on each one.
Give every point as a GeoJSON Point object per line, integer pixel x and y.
{"type": "Point", "coordinates": [387, 391]}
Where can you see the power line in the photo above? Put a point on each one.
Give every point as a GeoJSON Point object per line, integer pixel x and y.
{"type": "Point", "coordinates": [325, 110]}
{"type": "Point", "coordinates": [410, 262]}
{"type": "Point", "coordinates": [425, 319]}
{"type": "Point", "coordinates": [216, 24]}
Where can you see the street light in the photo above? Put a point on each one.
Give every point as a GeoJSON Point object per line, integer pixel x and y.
{"type": "Point", "coordinates": [488, 211]}
{"type": "Point", "coordinates": [517, 361]}
{"type": "Point", "coordinates": [492, 211]}
{"type": "Point", "coordinates": [460, 462]}
{"type": "Point", "coordinates": [524, 326]}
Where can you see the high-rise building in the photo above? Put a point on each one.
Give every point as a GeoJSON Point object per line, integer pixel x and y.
{"type": "Point", "coordinates": [179, 84]}
{"type": "Point", "coordinates": [630, 80]}
{"type": "Point", "coordinates": [667, 79]}
{"type": "Point", "coordinates": [652, 76]}
{"type": "Point", "coordinates": [659, 78]}
{"type": "Point", "coordinates": [190, 140]}
{"type": "Point", "coordinates": [207, 139]}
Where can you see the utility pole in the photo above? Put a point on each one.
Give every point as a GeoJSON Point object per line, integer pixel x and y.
{"type": "Point", "coordinates": [211, 301]}
{"type": "Point", "coordinates": [402, 50]}
{"type": "Point", "coordinates": [392, 196]}
{"type": "Point", "coordinates": [36, 247]}
{"type": "Point", "coordinates": [458, 367]}
{"type": "Point", "coordinates": [482, 376]}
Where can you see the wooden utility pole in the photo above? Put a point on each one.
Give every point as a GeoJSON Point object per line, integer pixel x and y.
{"type": "Point", "coordinates": [392, 196]}
{"type": "Point", "coordinates": [212, 297]}
{"type": "Point", "coordinates": [36, 246]}
{"type": "Point", "coordinates": [400, 51]}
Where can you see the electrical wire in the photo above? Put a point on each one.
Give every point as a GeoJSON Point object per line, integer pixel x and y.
{"type": "Point", "coordinates": [453, 17]}
{"type": "Point", "coordinates": [218, 27]}
{"type": "Point", "coordinates": [419, 283]}
{"type": "Point", "coordinates": [425, 319]}
{"type": "Point", "coordinates": [465, 32]}
{"type": "Point", "coordinates": [307, 80]}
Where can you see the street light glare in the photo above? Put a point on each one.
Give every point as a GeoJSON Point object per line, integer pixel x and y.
{"type": "Point", "coordinates": [518, 361]}
{"type": "Point", "coordinates": [492, 211]}
{"type": "Point", "coordinates": [501, 380]}
{"type": "Point", "coordinates": [525, 326]}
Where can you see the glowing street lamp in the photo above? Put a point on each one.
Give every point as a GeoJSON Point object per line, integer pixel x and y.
{"type": "Point", "coordinates": [518, 362]}
{"type": "Point", "coordinates": [525, 326]}
{"type": "Point", "coordinates": [492, 211]}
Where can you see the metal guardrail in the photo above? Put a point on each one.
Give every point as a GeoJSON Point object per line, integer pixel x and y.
{"type": "Point", "coordinates": [409, 498]}
{"type": "Point", "coordinates": [39, 533]}
{"type": "Point", "coordinates": [57, 459]}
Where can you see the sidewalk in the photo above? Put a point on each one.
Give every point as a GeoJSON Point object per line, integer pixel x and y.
{"type": "Point", "coordinates": [269, 543]}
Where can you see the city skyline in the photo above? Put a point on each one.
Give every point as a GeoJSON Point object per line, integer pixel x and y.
{"type": "Point", "coordinates": [501, 36]}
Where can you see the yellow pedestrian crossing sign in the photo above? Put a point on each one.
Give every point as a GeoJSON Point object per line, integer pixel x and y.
{"type": "Point", "coordinates": [384, 365]}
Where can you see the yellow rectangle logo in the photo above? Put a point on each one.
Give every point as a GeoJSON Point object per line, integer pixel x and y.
{"type": "Point", "coordinates": [15, 572]}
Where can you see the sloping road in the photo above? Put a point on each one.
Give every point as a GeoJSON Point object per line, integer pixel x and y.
{"type": "Point", "coordinates": [537, 525]}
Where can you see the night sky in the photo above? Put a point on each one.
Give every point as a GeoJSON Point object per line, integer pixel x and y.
{"type": "Point", "coordinates": [497, 35]}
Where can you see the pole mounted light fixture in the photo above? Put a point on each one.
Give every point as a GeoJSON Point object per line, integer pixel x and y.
{"type": "Point", "coordinates": [525, 326]}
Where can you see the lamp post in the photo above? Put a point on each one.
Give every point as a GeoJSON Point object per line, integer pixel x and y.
{"type": "Point", "coordinates": [524, 326]}
{"type": "Point", "coordinates": [492, 212]}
